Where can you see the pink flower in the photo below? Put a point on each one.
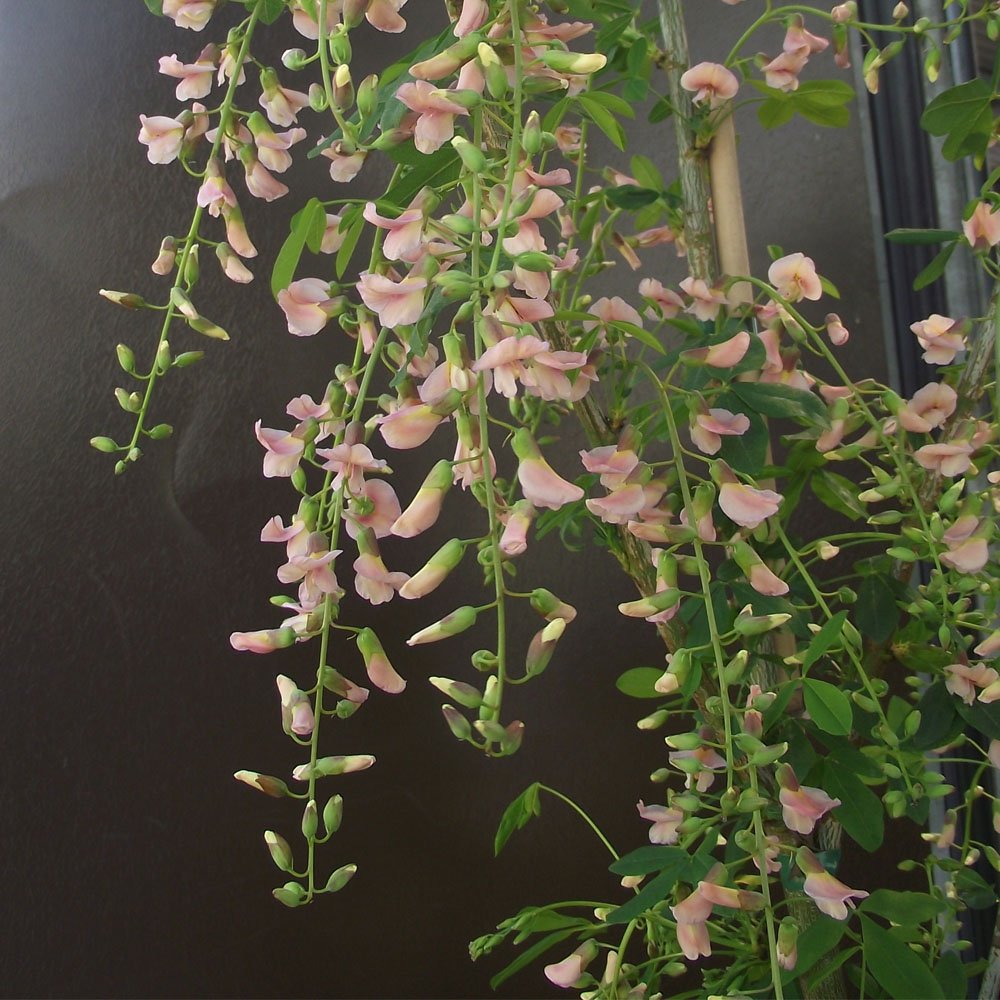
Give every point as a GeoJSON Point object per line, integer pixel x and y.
{"type": "Point", "coordinates": [835, 330]}
{"type": "Point", "coordinates": [409, 426]}
{"type": "Point", "coordinates": [796, 37]}
{"type": "Point", "coordinates": [196, 77]}
{"type": "Point", "coordinates": [665, 822]}
{"type": "Point", "coordinates": [215, 193]}
{"type": "Point", "coordinates": [929, 407]}
{"type": "Point", "coordinates": [375, 507]}
{"type": "Point", "coordinates": [473, 17]}
{"type": "Point", "coordinates": [163, 136]}
{"type": "Point", "coordinates": [272, 147]}
{"type": "Point", "coordinates": [236, 232]}
{"type": "Point", "coordinates": [344, 167]}
{"type": "Point", "coordinates": [405, 232]}
{"type": "Point", "coordinates": [425, 508]}
{"type": "Point", "coordinates": [283, 450]}
{"type": "Point", "coordinates": [710, 82]}
{"type": "Point", "coordinates": [801, 806]}
{"type": "Point", "coordinates": [260, 183]}
{"type": "Point", "coordinates": [436, 121]}
{"type": "Point", "coordinates": [691, 914]}
{"type": "Point", "coordinates": [570, 970]}
{"type": "Point", "coordinates": [350, 462]}
{"type": "Point", "coordinates": [706, 301]}
{"type": "Point", "coordinates": [193, 14]}
{"type": "Point", "coordinates": [530, 360]}
{"type": "Point", "coordinates": [384, 15]}
{"type": "Point", "coordinates": [669, 303]}
{"type": "Point", "coordinates": [514, 540]}
{"type": "Point", "coordinates": [782, 72]}
{"type": "Point", "coordinates": [831, 895]}
{"type": "Point", "coordinates": [963, 680]}
{"type": "Point", "coordinates": [747, 506]}
{"type": "Point", "coordinates": [373, 581]}
{"type": "Point", "coordinates": [941, 338]}
{"type": "Point", "coordinates": [982, 228]}
{"type": "Point", "coordinates": [306, 305]}
{"type": "Point", "coordinates": [950, 459]}
{"type": "Point", "coordinates": [707, 761]}
{"type": "Point", "coordinates": [280, 104]}
{"type": "Point", "coordinates": [397, 303]}
{"type": "Point", "coordinates": [709, 427]}
{"type": "Point", "coordinates": [541, 485]}
{"type": "Point", "coordinates": [795, 278]}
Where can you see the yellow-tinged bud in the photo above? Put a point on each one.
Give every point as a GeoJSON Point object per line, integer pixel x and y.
{"type": "Point", "coordinates": [341, 877]}
{"type": "Point", "coordinates": [281, 853]}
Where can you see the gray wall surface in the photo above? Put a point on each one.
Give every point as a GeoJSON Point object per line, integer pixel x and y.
{"type": "Point", "coordinates": [134, 863]}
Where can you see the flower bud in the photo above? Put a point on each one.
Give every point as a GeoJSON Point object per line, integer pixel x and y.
{"type": "Point", "coordinates": [542, 646]}
{"type": "Point", "coordinates": [485, 660]}
{"type": "Point", "coordinates": [654, 720]}
{"type": "Point", "coordinates": [465, 694]}
{"type": "Point", "coordinates": [531, 135]}
{"type": "Point", "coordinates": [273, 787]}
{"type": "Point", "coordinates": [458, 621]}
{"type": "Point", "coordinates": [340, 878]}
{"type": "Point", "coordinates": [545, 603]}
{"type": "Point", "coordinates": [749, 624]}
{"type": "Point", "coordinates": [900, 11]}
{"type": "Point", "coordinates": [457, 723]}
{"type": "Point", "coordinates": [291, 894]}
{"type": "Point", "coordinates": [127, 300]}
{"type": "Point", "coordinates": [281, 853]}
{"type": "Point", "coordinates": [510, 741]}
{"type": "Point", "coordinates": [368, 95]}
{"type": "Point", "coordinates": [579, 63]}
{"type": "Point", "coordinates": [294, 59]}
{"type": "Point", "coordinates": [164, 262]}
{"type": "Point", "coordinates": [788, 935]}
{"type": "Point", "coordinates": [105, 444]}
{"type": "Point", "coordinates": [317, 97]}
{"type": "Point", "coordinates": [310, 820]}
{"type": "Point", "coordinates": [333, 814]}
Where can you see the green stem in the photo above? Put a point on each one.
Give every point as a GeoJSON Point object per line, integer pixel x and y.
{"type": "Point", "coordinates": [583, 815]}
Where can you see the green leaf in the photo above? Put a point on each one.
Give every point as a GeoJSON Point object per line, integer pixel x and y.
{"type": "Point", "coordinates": [900, 971]}
{"type": "Point", "coordinates": [986, 718]}
{"type": "Point", "coordinates": [875, 611]}
{"type": "Point", "coordinates": [155, 7]}
{"type": "Point", "coordinates": [271, 10]}
{"type": "Point", "coordinates": [922, 237]}
{"type": "Point", "coordinates": [774, 400]}
{"type": "Point", "coordinates": [828, 707]}
{"type": "Point", "coordinates": [651, 858]}
{"type": "Point", "coordinates": [934, 269]}
{"type": "Point", "coordinates": [973, 889]}
{"type": "Point", "coordinates": [354, 230]}
{"type": "Point", "coordinates": [660, 111]}
{"type": "Point", "coordinates": [838, 493]}
{"type": "Point", "coordinates": [964, 115]}
{"type": "Point", "coordinates": [516, 815]}
{"type": "Point", "coordinates": [530, 954]}
{"type": "Point", "coordinates": [819, 939]}
{"type": "Point", "coordinates": [774, 113]}
{"type": "Point", "coordinates": [602, 118]}
{"type": "Point", "coordinates": [747, 452]}
{"type": "Point", "coordinates": [908, 908]}
{"type": "Point", "coordinates": [638, 333]}
{"type": "Point", "coordinates": [302, 225]}
{"type": "Point", "coordinates": [630, 197]}
{"type": "Point", "coordinates": [655, 892]}
{"type": "Point", "coordinates": [950, 973]}
{"type": "Point", "coordinates": [638, 682]}
{"type": "Point", "coordinates": [860, 812]}
{"type": "Point", "coordinates": [824, 639]}
{"type": "Point", "coordinates": [646, 172]}
{"type": "Point", "coordinates": [939, 720]}
{"type": "Point", "coordinates": [427, 171]}
{"type": "Point", "coordinates": [612, 102]}
{"type": "Point", "coordinates": [823, 93]}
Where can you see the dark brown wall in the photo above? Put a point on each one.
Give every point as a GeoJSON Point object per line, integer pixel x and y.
{"type": "Point", "coordinates": [134, 864]}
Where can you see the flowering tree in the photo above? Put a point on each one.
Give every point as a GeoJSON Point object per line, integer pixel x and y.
{"type": "Point", "coordinates": [814, 679]}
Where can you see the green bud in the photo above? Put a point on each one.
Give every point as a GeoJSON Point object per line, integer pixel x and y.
{"type": "Point", "coordinates": [294, 59]}
{"type": "Point", "coordinates": [310, 820]}
{"type": "Point", "coordinates": [368, 95]}
{"type": "Point", "coordinates": [188, 358]}
{"type": "Point", "coordinates": [660, 775]}
{"type": "Point", "coordinates": [163, 357]}
{"type": "Point", "coordinates": [317, 98]}
{"type": "Point", "coordinates": [653, 721]}
{"type": "Point", "coordinates": [340, 46]}
{"type": "Point", "coordinates": [465, 694]}
{"type": "Point", "coordinates": [130, 402]}
{"type": "Point", "coordinates": [750, 801]}
{"type": "Point", "coordinates": [458, 621]}
{"type": "Point", "coordinates": [191, 269]}
{"type": "Point", "coordinates": [281, 853]}
{"type": "Point", "coordinates": [485, 661]}
{"type": "Point", "coordinates": [490, 730]}
{"type": "Point", "coordinates": [510, 742]}
{"type": "Point", "coordinates": [127, 300]}
{"type": "Point", "coordinates": [531, 135]}
{"type": "Point", "coordinates": [573, 62]}
{"type": "Point", "coordinates": [126, 358]}
{"type": "Point", "coordinates": [769, 755]}
{"type": "Point", "coordinates": [208, 328]}
{"type": "Point", "coordinates": [104, 444]}
{"type": "Point", "coordinates": [291, 894]}
{"type": "Point", "coordinates": [160, 432]}
{"type": "Point", "coordinates": [534, 260]}
{"type": "Point", "coordinates": [457, 723]}
{"type": "Point", "coordinates": [684, 741]}
{"type": "Point", "coordinates": [333, 814]}
{"type": "Point", "coordinates": [341, 877]}
{"type": "Point", "coordinates": [274, 787]}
